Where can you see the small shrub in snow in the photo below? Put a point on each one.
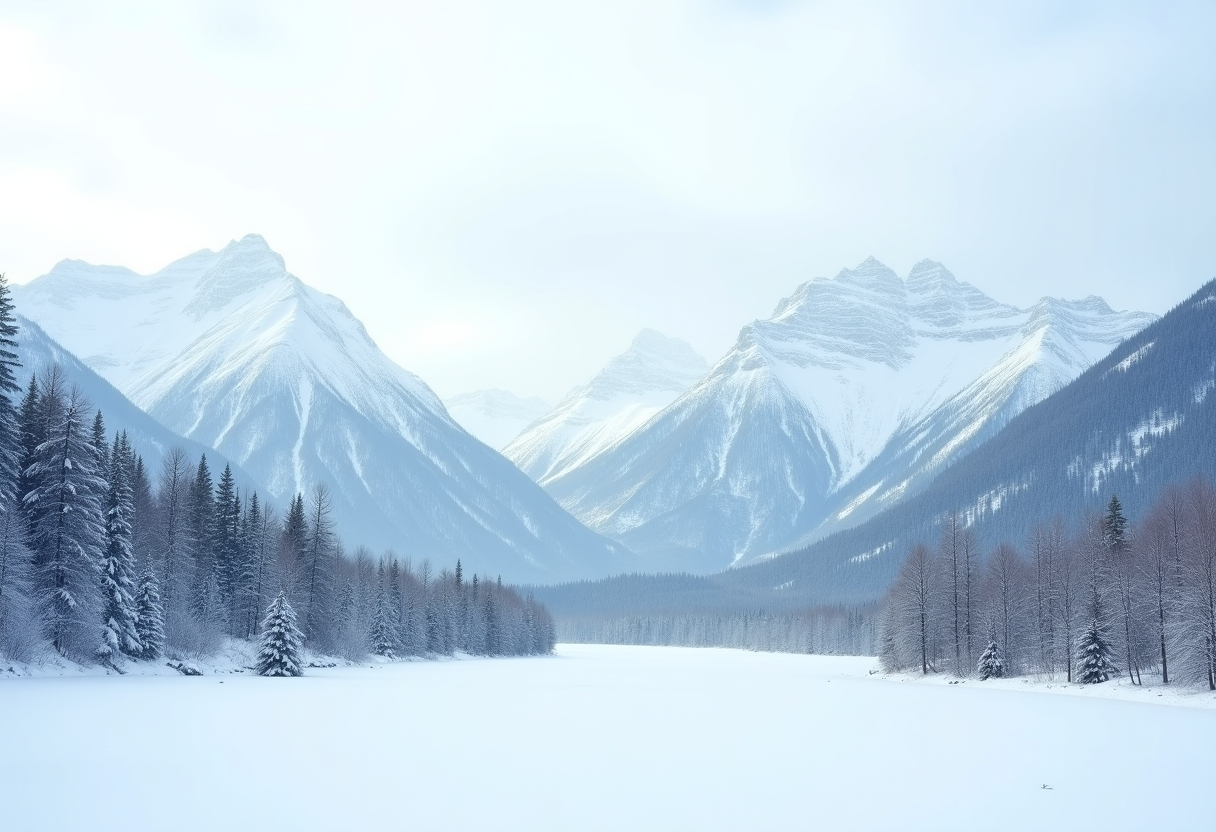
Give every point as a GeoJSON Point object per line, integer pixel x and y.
{"type": "Point", "coordinates": [279, 654]}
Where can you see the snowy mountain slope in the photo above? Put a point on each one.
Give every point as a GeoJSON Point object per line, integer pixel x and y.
{"type": "Point", "coordinates": [495, 416]}
{"type": "Point", "coordinates": [853, 394]}
{"type": "Point", "coordinates": [231, 350]}
{"type": "Point", "coordinates": [38, 353]}
{"type": "Point", "coordinates": [618, 400]}
{"type": "Point", "coordinates": [1137, 421]}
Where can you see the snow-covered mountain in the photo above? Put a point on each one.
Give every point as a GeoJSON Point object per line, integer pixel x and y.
{"type": "Point", "coordinates": [849, 398]}
{"type": "Point", "coordinates": [495, 416]}
{"type": "Point", "coordinates": [1140, 420]}
{"type": "Point", "coordinates": [617, 401]}
{"type": "Point", "coordinates": [229, 349]}
{"type": "Point", "coordinates": [38, 353]}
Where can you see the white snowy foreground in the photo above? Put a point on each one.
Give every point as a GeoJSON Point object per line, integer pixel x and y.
{"type": "Point", "coordinates": [598, 738]}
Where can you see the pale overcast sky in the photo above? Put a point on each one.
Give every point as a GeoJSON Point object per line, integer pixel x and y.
{"type": "Point", "coordinates": [505, 192]}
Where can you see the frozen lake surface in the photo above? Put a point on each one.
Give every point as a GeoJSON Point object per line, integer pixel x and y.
{"type": "Point", "coordinates": [597, 738]}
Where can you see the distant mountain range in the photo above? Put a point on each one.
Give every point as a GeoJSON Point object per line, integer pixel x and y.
{"type": "Point", "coordinates": [851, 400]}
{"type": "Point", "coordinates": [851, 397]}
{"type": "Point", "coordinates": [230, 350]}
{"type": "Point", "coordinates": [618, 400]}
{"type": "Point", "coordinates": [495, 416]}
{"type": "Point", "coordinates": [1140, 419]}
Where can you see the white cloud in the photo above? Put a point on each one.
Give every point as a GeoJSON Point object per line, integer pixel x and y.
{"type": "Point", "coordinates": [531, 173]}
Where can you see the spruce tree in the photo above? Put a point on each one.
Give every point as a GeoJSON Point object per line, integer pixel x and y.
{"type": "Point", "coordinates": [383, 638]}
{"type": "Point", "coordinates": [149, 616]}
{"type": "Point", "coordinates": [280, 651]}
{"type": "Point", "coordinates": [1094, 660]}
{"type": "Point", "coordinates": [30, 436]}
{"type": "Point", "coordinates": [10, 427]}
{"type": "Point", "coordinates": [201, 518]}
{"type": "Point", "coordinates": [99, 443]}
{"type": "Point", "coordinates": [1114, 526]}
{"type": "Point", "coordinates": [991, 665]}
{"type": "Point", "coordinates": [119, 615]}
{"type": "Point", "coordinates": [225, 541]}
{"type": "Point", "coordinates": [67, 530]}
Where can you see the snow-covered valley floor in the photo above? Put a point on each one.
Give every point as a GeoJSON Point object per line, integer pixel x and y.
{"type": "Point", "coordinates": [599, 738]}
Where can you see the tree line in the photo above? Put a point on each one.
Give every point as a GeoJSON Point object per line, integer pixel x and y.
{"type": "Point", "coordinates": [819, 630]}
{"type": "Point", "coordinates": [104, 560]}
{"type": "Point", "coordinates": [1101, 598]}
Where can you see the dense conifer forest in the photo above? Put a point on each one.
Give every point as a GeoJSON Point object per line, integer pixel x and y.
{"type": "Point", "coordinates": [106, 557]}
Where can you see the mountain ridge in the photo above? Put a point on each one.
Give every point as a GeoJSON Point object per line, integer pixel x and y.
{"type": "Point", "coordinates": [797, 421]}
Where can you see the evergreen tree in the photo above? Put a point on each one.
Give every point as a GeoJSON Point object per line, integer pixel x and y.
{"type": "Point", "coordinates": [150, 616]}
{"type": "Point", "coordinates": [142, 502]}
{"type": "Point", "coordinates": [66, 512]}
{"type": "Point", "coordinates": [99, 443]}
{"type": "Point", "coordinates": [10, 426]}
{"type": "Point", "coordinates": [119, 615]}
{"type": "Point", "coordinates": [382, 638]}
{"type": "Point", "coordinates": [1094, 659]}
{"type": "Point", "coordinates": [225, 541]}
{"type": "Point", "coordinates": [280, 650]}
{"type": "Point", "coordinates": [1114, 526]}
{"type": "Point", "coordinates": [201, 514]}
{"type": "Point", "coordinates": [32, 432]}
{"type": "Point", "coordinates": [991, 665]}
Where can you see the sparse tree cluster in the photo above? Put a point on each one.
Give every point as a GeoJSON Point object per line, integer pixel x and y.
{"type": "Point", "coordinates": [1106, 598]}
{"type": "Point", "coordinates": [104, 560]}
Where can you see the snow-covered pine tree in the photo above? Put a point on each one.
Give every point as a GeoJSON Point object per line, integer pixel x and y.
{"type": "Point", "coordinates": [1094, 664]}
{"type": "Point", "coordinates": [226, 542]}
{"type": "Point", "coordinates": [10, 428]}
{"type": "Point", "coordinates": [383, 638]}
{"type": "Point", "coordinates": [991, 665]}
{"type": "Point", "coordinates": [100, 448]}
{"type": "Point", "coordinates": [204, 606]}
{"type": "Point", "coordinates": [149, 616]}
{"type": "Point", "coordinates": [118, 628]}
{"type": "Point", "coordinates": [280, 650]}
{"type": "Point", "coordinates": [67, 531]}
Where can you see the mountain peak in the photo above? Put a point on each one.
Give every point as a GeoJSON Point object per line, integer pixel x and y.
{"type": "Point", "coordinates": [239, 267]}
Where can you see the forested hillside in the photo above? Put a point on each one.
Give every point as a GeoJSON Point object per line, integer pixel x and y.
{"type": "Point", "coordinates": [106, 556]}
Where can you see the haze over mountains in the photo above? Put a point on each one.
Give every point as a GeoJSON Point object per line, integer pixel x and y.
{"type": "Point", "coordinates": [849, 398]}
{"type": "Point", "coordinates": [495, 416]}
{"type": "Point", "coordinates": [617, 401]}
{"type": "Point", "coordinates": [229, 349]}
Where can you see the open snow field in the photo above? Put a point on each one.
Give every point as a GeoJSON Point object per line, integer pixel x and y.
{"type": "Point", "coordinates": [598, 738]}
